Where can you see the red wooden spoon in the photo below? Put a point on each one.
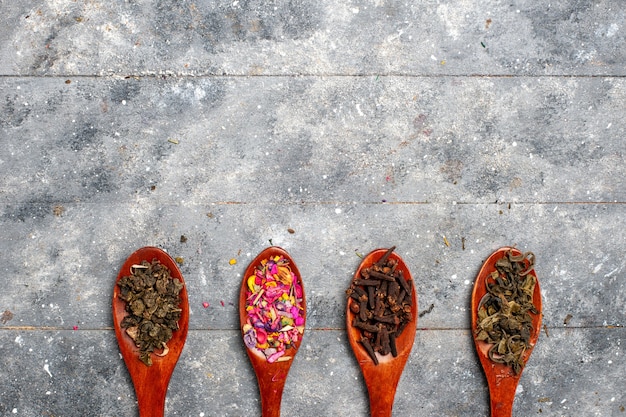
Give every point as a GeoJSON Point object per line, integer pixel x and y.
{"type": "Point", "coordinates": [150, 381]}
{"type": "Point", "coordinates": [270, 376]}
{"type": "Point", "coordinates": [382, 379]}
{"type": "Point", "coordinates": [501, 378]}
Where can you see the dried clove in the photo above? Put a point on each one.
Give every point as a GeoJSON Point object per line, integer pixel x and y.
{"type": "Point", "coordinates": [383, 310]}
{"type": "Point", "coordinates": [370, 351]}
{"type": "Point", "coordinates": [367, 282]}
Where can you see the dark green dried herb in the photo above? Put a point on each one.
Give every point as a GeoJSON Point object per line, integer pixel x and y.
{"type": "Point", "coordinates": [152, 299]}
{"type": "Point", "coordinates": [504, 318]}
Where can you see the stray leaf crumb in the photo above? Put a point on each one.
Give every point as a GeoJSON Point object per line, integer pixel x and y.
{"type": "Point", "coordinates": [179, 260]}
{"type": "Point", "coordinates": [174, 141]}
{"type": "Point", "coordinates": [567, 319]}
{"type": "Point", "coordinates": [232, 261]}
{"type": "Point", "coordinates": [291, 231]}
{"type": "Point", "coordinates": [183, 238]}
{"type": "Point", "coordinates": [6, 316]}
{"type": "Point", "coordinates": [445, 240]}
{"type": "Point", "coordinates": [58, 210]}
{"type": "Point", "coordinates": [427, 311]}
{"type": "Point", "coordinates": [210, 215]}
{"type": "Point", "coordinates": [205, 305]}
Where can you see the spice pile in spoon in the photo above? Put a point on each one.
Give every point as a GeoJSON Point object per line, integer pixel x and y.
{"type": "Point", "coordinates": [380, 299]}
{"type": "Point", "coordinates": [274, 308]}
{"type": "Point", "coordinates": [504, 318]}
{"type": "Point", "coordinates": [152, 302]}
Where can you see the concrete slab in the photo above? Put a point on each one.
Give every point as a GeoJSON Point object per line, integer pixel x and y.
{"type": "Point", "coordinates": [319, 38]}
{"type": "Point", "coordinates": [446, 129]}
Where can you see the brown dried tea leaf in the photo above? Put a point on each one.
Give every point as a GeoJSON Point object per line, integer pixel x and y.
{"type": "Point", "coordinates": [504, 318]}
{"type": "Point", "coordinates": [152, 299]}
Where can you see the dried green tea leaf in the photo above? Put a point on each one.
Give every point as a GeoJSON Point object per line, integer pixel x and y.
{"type": "Point", "coordinates": [504, 318]}
{"type": "Point", "coordinates": [152, 299]}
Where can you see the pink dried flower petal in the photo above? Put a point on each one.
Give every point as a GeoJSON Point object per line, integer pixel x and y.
{"type": "Point", "coordinates": [275, 356]}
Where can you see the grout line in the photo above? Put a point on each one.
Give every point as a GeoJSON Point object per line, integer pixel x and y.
{"type": "Point", "coordinates": [167, 75]}
{"type": "Point", "coordinates": [349, 203]}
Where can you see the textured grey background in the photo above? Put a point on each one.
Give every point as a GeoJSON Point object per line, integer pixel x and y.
{"type": "Point", "coordinates": [358, 125]}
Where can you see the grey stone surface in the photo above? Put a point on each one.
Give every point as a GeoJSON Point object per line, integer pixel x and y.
{"type": "Point", "coordinates": [357, 125]}
{"type": "Point", "coordinates": [457, 37]}
{"type": "Point", "coordinates": [79, 373]}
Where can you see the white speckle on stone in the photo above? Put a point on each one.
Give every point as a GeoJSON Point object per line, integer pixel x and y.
{"type": "Point", "coordinates": [563, 400]}
{"type": "Point", "coordinates": [338, 211]}
{"type": "Point", "coordinates": [46, 368]}
{"type": "Point", "coordinates": [14, 411]}
{"type": "Point", "coordinates": [466, 282]}
{"type": "Point", "coordinates": [610, 362]}
{"type": "Point", "coordinates": [201, 414]}
{"type": "Point", "coordinates": [613, 29]}
{"type": "Point", "coordinates": [514, 143]}
{"type": "Point", "coordinates": [453, 276]}
{"type": "Point", "coordinates": [609, 125]}
{"type": "Point", "coordinates": [123, 102]}
{"type": "Point", "coordinates": [612, 399]}
{"type": "Point", "coordinates": [519, 389]}
{"type": "Point", "coordinates": [19, 341]}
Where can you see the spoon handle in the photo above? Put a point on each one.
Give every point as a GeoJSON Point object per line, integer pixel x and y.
{"type": "Point", "coordinates": [271, 386]}
{"type": "Point", "coordinates": [381, 400]}
{"type": "Point", "coordinates": [382, 382]}
{"type": "Point", "coordinates": [151, 400]}
{"type": "Point", "coordinates": [502, 395]}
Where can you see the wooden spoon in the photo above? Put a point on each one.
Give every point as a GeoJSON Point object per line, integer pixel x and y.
{"type": "Point", "coordinates": [150, 381]}
{"type": "Point", "coordinates": [501, 378]}
{"type": "Point", "coordinates": [270, 376]}
{"type": "Point", "coordinates": [382, 379]}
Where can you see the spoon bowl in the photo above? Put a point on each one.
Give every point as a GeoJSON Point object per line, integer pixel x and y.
{"type": "Point", "coordinates": [501, 378]}
{"type": "Point", "coordinates": [150, 382]}
{"type": "Point", "coordinates": [382, 379]}
{"type": "Point", "coordinates": [270, 376]}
